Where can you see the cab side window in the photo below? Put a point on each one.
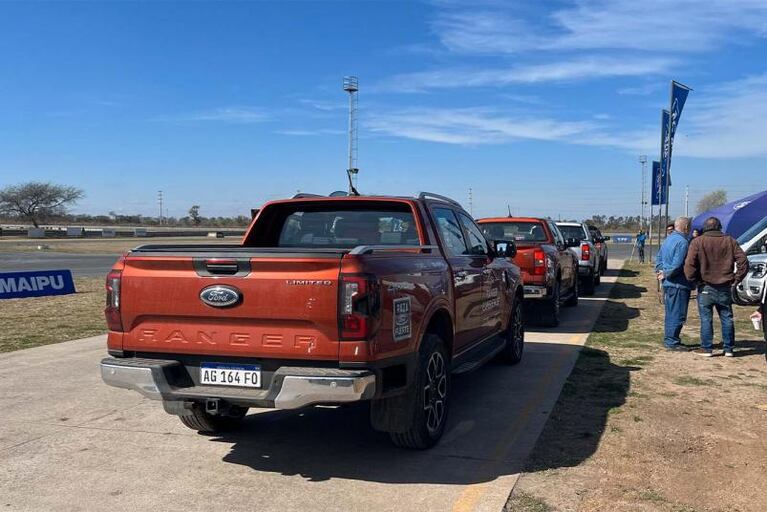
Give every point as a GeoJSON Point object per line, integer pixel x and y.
{"type": "Point", "coordinates": [477, 241]}
{"type": "Point", "coordinates": [450, 231]}
{"type": "Point", "coordinates": [558, 238]}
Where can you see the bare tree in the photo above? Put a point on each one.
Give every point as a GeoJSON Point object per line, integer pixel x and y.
{"type": "Point", "coordinates": [712, 200]}
{"type": "Point", "coordinates": [35, 201]}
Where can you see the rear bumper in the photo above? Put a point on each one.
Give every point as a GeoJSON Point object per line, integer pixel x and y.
{"type": "Point", "coordinates": [290, 387]}
{"type": "Point", "coordinates": [535, 292]}
{"type": "Point", "coordinates": [586, 268]}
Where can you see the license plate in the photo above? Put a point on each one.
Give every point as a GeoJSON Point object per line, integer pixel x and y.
{"type": "Point", "coordinates": [240, 375]}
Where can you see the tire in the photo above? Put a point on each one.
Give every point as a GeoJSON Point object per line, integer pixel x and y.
{"type": "Point", "coordinates": [588, 285]}
{"type": "Point", "coordinates": [549, 313]}
{"type": "Point", "coordinates": [515, 336]}
{"type": "Point", "coordinates": [573, 300]}
{"type": "Point", "coordinates": [206, 423]}
{"type": "Point", "coordinates": [432, 397]}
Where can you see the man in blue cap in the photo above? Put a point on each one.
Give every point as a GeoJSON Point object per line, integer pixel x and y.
{"type": "Point", "coordinates": [669, 267]}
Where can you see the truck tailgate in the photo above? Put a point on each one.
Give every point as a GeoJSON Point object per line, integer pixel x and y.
{"type": "Point", "coordinates": [288, 307]}
{"type": "Point", "coordinates": [525, 260]}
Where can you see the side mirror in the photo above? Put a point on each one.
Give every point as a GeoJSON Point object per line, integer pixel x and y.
{"type": "Point", "coordinates": [572, 242]}
{"type": "Point", "coordinates": [505, 248]}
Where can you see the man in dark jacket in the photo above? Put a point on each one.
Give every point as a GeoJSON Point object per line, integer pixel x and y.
{"type": "Point", "coordinates": [715, 263]}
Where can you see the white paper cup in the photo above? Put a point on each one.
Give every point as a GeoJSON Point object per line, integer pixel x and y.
{"type": "Point", "coordinates": [756, 320]}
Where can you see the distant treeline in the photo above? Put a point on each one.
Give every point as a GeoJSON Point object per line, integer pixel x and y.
{"type": "Point", "coordinates": [136, 220]}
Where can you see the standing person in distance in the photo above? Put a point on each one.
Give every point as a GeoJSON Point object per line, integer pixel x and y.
{"type": "Point", "coordinates": [715, 263]}
{"type": "Point", "coordinates": [669, 268]}
{"type": "Point", "coordinates": [640, 241]}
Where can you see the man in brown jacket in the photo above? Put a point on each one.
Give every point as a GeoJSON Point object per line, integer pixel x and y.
{"type": "Point", "coordinates": [715, 263]}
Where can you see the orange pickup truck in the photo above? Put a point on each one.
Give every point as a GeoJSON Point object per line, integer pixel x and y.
{"type": "Point", "coordinates": [326, 300]}
{"type": "Point", "coordinates": [549, 267]}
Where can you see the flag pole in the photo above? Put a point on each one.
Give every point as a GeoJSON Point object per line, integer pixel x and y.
{"type": "Point", "coordinates": [668, 136]}
{"type": "Point", "coordinates": [658, 183]}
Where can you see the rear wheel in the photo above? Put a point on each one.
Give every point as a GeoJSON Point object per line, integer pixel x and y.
{"type": "Point", "coordinates": [431, 400]}
{"type": "Point", "coordinates": [589, 284]}
{"type": "Point", "coordinates": [549, 313]}
{"type": "Point", "coordinates": [207, 423]}
{"type": "Point", "coordinates": [573, 300]}
{"type": "Point", "coordinates": [515, 336]}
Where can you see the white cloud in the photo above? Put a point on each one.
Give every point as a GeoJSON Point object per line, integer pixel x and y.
{"type": "Point", "coordinates": [307, 133]}
{"type": "Point", "coordinates": [649, 25]}
{"type": "Point", "coordinates": [563, 71]}
{"type": "Point", "coordinates": [726, 121]}
{"type": "Point", "coordinates": [471, 126]}
{"type": "Point", "coordinates": [239, 115]}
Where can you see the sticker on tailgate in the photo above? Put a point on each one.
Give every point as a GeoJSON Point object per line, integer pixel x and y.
{"type": "Point", "coordinates": [401, 330]}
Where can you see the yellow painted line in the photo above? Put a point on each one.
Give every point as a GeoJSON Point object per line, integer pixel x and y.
{"type": "Point", "coordinates": [470, 496]}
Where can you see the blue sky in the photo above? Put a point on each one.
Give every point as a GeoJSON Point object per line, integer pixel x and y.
{"type": "Point", "coordinates": [544, 106]}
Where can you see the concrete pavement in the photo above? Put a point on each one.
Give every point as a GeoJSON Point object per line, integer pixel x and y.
{"type": "Point", "coordinates": [69, 442]}
{"type": "Point", "coordinates": [81, 265]}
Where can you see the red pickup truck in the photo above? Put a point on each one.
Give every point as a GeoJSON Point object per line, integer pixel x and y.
{"type": "Point", "coordinates": [549, 267]}
{"type": "Point", "coordinates": [325, 301]}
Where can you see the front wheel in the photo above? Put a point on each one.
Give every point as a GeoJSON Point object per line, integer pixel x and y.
{"type": "Point", "coordinates": [431, 400]}
{"type": "Point", "coordinates": [515, 336]}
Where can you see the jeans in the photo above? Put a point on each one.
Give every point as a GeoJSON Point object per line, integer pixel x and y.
{"type": "Point", "coordinates": [676, 302]}
{"type": "Point", "coordinates": [710, 297]}
{"type": "Point", "coordinates": [641, 254]}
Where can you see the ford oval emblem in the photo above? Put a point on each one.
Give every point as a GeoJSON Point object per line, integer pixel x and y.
{"type": "Point", "coordinates": [220, 296]}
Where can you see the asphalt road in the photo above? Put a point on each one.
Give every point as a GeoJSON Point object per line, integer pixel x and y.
{"type": "Point", "coordinates": [69, 442]}
{"type": "Point", "coordinates": [88, 265]}
{"type": "Point", "coordinates": [81, 265]}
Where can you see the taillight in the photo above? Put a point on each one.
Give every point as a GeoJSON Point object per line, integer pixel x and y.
{"type": "Point", "coordinates": [112, 311]}
{"type": "Point", "coordinates": [585, 252]}
{"type": "Point", "coordinates": [358, 304]}
{"type": "Point", "coordinates": [539, 262]}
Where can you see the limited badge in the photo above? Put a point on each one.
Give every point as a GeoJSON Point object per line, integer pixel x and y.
{"type": "Point", "coordinates": [401, 319]}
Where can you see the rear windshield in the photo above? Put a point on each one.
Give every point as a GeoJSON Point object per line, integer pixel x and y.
{"type": "Point", "coordinates": [334, 225]}
{"type": "Point", "coordinates": [519, 231]}
{"type": "Point", "coordinates": [576, 232]}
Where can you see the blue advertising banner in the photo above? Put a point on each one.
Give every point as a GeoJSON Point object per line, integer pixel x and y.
{"type": "Point", "coordinates": [40, 283]}
{"type": "Point", "coordinates": [670, 121]}
{"type": "Point", "coordinates": [665, 153]}
{"type": "Point", "coordinates": [658, 190]}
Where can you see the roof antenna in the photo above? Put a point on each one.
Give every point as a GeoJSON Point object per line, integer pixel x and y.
{"type": "Point", "coordinates": [509, 208]}
{"type": "Point", "coordinates": [352, 189]}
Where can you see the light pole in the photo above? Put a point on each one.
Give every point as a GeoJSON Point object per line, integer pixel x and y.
{"type": "Point", "coordinates": [351, 86]}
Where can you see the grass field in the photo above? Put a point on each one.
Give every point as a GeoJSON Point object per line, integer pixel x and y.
{"type": "Point", "coordinates": [102, 245]}
{"type": "Point", "coordinates": [38, 321]}
{"type": "Point", "coordinates": [641, 429]}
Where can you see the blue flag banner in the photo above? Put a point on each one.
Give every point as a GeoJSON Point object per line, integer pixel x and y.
{"type": "Point", "coordinates": [16, 285]}
{"type": "Point", "coordinates": [658, 188]}
{"type": "Point", "coordinates": [665, 141]}
{"type": "Point", "coordinates": [679, 94]}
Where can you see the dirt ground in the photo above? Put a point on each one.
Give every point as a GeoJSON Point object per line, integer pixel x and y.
{"type": "Point", "coordinates": [103, 245]}
{"type": "Point", "coordinates": [37, 321]}
{"type": "Point", "coordinates": [640, 429]}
